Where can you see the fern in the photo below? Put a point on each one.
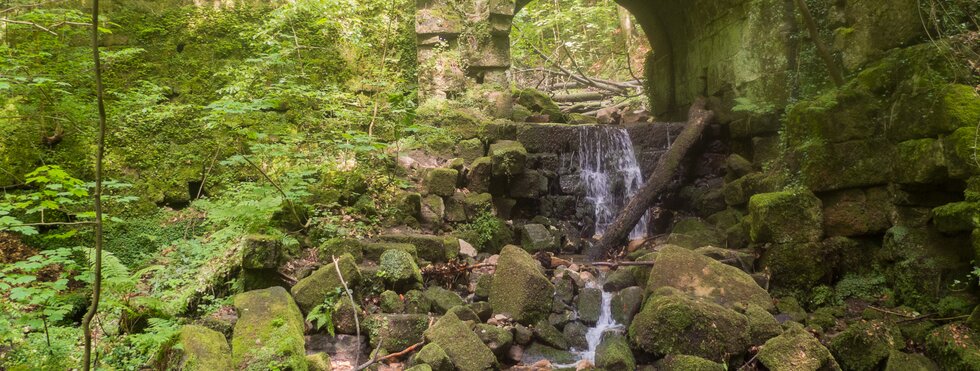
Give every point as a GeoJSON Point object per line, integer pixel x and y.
{"type": "Point", "coordinates": [321, 316]}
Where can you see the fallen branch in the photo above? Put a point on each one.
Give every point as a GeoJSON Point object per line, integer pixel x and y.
{"type": "Point", "coordinates": [822, 50]}
{"type": "Point", "coordinates": [581, 79]}
{"type": "Point", "coordinates": [374, 354]}
{"type": "Point", "coordinates": [357, 321]}
{"type": "Point", "coordinates": [579, 97]}
{"type": "Point", "coordinates": [698, 118]}
{"type": "Point", "coordinates": [35, 25]}
{"type": "Point", "coordinates": [621, 264]}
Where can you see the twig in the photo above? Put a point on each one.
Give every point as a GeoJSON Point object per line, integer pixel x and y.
{"type": "Point", "coordinates": [390, 356]}
{"type": "Point", "coordinates": [822, 50]}
{"type": "Point", "coordinates": [374, 355]}
{"type": "Point", "coordinates": [882, 310]}
{"type": "Point", "coordinates": [357, 321]}
{"type": "Point", "coordinates": [621, 264]}
{"type": "Point", "coordinates": [45, 29]}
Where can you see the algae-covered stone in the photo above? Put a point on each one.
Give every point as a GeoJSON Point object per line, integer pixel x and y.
{"type": "Point", "coordinates": [199, 348]}
{"type": "Point", "coordinates": [956, 217]}
{"type": "Point", "coordinates": [507, 157]}
{"type": "Point", "coordinates": [442, 300]}
{"type": "Point", "coordinates": [519, 288]}
{"type": "Point", "coordinates": [681, 362]}
{"type": "Point", "coordinates": [539, 103]}
{"type": "Point", "coordinates": [416, 302]}
{"type": "Point", "coordinates": [864, 345]}
{"type": "Point", "coordinates": [391, 302]}
{"type": "Point", "coordinates": [497, 339]}
{"type": "Point", "coordinates": [435, 357]}
{"type": "Point", "coordinates": [917, 258]}
{"type": "Point", "coordinates": [674, 323]}
{"type": "Point", "coordinates": [739, 191]}
{"type": "Point", "coordinates": [262, 252]}
{"type": "Point", "coordinates": [433, 210]}
{"type": "Point", "coordinates": [537, 352]}
{"type": "Point", "coordinates": [462, 346]}
{"type": "Point", "coordinates": [549, 335]}
{"type": "Point", "coordinates": [470, 149]}
{"type": "Point", "coordinates": [954, 347]}
{"type": "Point", "coordinates": [589, 305]}
{"type": "Point", "coordinates": [784, 217]}
{"type": "Point", "coordinates": [374, 250]}
{"type": "Point", "coordinates": [317, 362]}
{"type": "Point", "coordinates": [478, 178]}
{"type": "Point", "coordinates": [536, 237]}
{"type": "Point", "coordinates": [409, 204]}
{"type": "Point", "coordinates": [399, 271]}
{"type": "Point", "coordinates": [796, 265]}
{"type": "Point", "coordinates": [269, 331]}
{"type": "Point", "coordinates": [762, 325]}
{"type": "Point", "coordinates": [337, 247]}
{"type": "Point", "coordinates": [920, 161]}
{"type": "Point", "coordinates": [899, 361]}
{"type": "Point", "coordinates": [851, 164]}
{"type": "Point", "coordinates": [396, 331]}
{"type": "Point", "coordinates": [625, 304]}
{"type": "Point", "coordinates": [441, 182]}
{"type": "Point", "coordinates": [313, 290]}
{"type": "Point", "coordinates": [703, 277]}
{"type": "Point", "coordinates": [796, 350]}
{"type": "Point", "coordinates": [438, 249]}
{"type": "Point", "coordinates": [613, 353]}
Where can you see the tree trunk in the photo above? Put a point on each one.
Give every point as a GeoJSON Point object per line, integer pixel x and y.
{"type": "Point", "coordinates": [698, 117]}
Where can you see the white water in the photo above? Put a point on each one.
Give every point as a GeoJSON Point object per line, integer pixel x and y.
{"type": "Point", "coordinates": [605, 157]}
{"type": "Point", "coordinates": [594, 335]}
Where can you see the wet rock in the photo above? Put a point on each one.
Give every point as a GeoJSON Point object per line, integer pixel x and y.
{"type": "Point", "coordinates": [396, 331]}
{"type": "Point", "coordinates": [464, 347]}
{"type": "Point", "coordinates": [549, 335]}
{"type": "Point", "coordinates": [703, 277]}
{"type": "Point", "coordinates": [674, 323]}
{"type": "Point", "coordinates": [796, 350]}
{"type": "Point", "coordinates": [560, 319]}
{"type": "Point", "coordinates": [441, 182]}
{"type": "Point", "coordinates": [442, 300]}
{"type": "Point", "coordinates": [198, 348]}
{"type": "Point", "coordinates": [613, 353]}
{"type": "Point", "coordinates": [954, 347]}
{"type": "Point", "coordinates": [313, 290]}
{"type": "Point", "coordinates": [529, 184]}
{"type": "Point", "coordinates": [863, 345]}
{"type": "Point", "coordinates": [625, 304]}
{"type": "Point", "coordinates": [269, 330]}
{"type": "Point", "coordinates": [435, 357]}
{"type": "Point", "coordinates": [536, 237]}
{"type": "Point", "coordinates": [436, 249]}
{"type": "Point", "coordinates": [575, 333]}
{"type": "Point", "coordinates": [589, 304]}
{"type": "Point", "coordinates": [391, 302]}
{"type": "Point", "coordinates": [617, 280]}
{"type": "Point", "coordinates": [739, 259]}
{"type": "Point", "coordinates": [681, 362]}
{"type": "Point", "coordinates": [399, 271]}
{"type": "Point", "coordinates": [565, 290]}
{"type": "Point", "coordinates": [497, 339]}
{"type": "Point", "coordinates": [508, 158]}
{"type": "Point", "coordinates": [318, 362]}
{"type": "Point", "coordinates": [519, 288]}
{"type": "Point", "coordinates": [785, 217]}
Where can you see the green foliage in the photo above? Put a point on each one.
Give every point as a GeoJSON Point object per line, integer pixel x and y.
{"type": "Point", "coordinates": [321, 316]}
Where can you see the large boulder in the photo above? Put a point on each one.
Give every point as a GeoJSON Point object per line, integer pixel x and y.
{"type": "Point", "coordinates": [671, 322]}
{"type": "Point", "coordinates": [700, 276]}
{"type": "Point", "coordinates": [955, 347]}
{"type": "Point", "coordinates": [796, 350]}
{"type": "Point", "coordinates": [314, 289]}
{"type": "Point", "coordinates": [520, 290]}
{"type": "Point", "coordinates": [463, 346]}
{"type": "Point", "coordinates": [613, 353]}
{"type": "Point", "coordinates": [437, 249]}
{"type": "Point", "coordinates": [396, 331]}
{"type": "Point", "coordinates": [865, 345]}
{"type": "Point", "coordinates": [785, 217]}
{"type": "Point", "coordinates": [537, 237]}
{"type": "Point", "coordinates": [198, 348]}
{"type": "Point", "coordinates": [507, 157]}
{"type": "Point", "coordinates": [442, 300]}
{"type": "Point", "coordinates": [441, 182]}
{"type": "Point", "coordinates": [399, 271]}
{"type": "Point", "coordinates": [268, 332]}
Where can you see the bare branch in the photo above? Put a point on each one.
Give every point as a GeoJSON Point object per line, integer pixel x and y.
{"type": "Point", "coordinates": [13, 21]}
{"type": "Point", "coordinates": [357, 321]}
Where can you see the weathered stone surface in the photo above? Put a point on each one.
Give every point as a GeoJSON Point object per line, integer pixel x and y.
{"type": "Point", "coordinates": [539, 103]}
{"type": "Point", "coordinates": [399, 270]}
{"type": "Point", "coordinates": [396, 331]}
{"type": "Point", "coordinates": [680, 362]}
{"type": "Point", "coordinates": [864, 345]}
{"type": "Point", "coordinates": [617, 280]}
{"type": "Point", "coordinates": [625, 304]}
{"type": "Point", "coordinates": [920, 161]}
{"type": "Point", "coordinates": [441, 182]}
{"type": "Point", "coordinates": [416, 302]}
{"type": "Point", "coordinates": [548, 335]}
{"type": "Point", "coordinates": [455, 208]}
{"type": "Point", "coordinates": [575, 333]}
{"type": "Point", "coordinates": [529, 184]}
{"type": "Point", "coordinates": [478, 178]}
{"type": "Point", "coordinates": [433, 210]}
{"type": "Point", "coordinates": [477, 204]}
{"type": "Point", "coordinates": [954, 347]}
{"type": "Point", "coordinates": [442, 300]}
{"type": "Point", "coordinates": [536, 237]}
{"type": "Point", "coordinates": [462, 346]}
{"type": "Point", "coordinates": [674, 323]}
{"type": "Point", "coordinates": [470, 149]}
{"type": "Point", "coordinates": [795, 350]}
{"type": "Point", "coordinates": [916, 258]}
{"type": "Point", "coordinates": [435, 357]}
{"type": "Point", "coordinates": [703, 277]}
{"type": "Point", "coordinates": [343, 316]}
{"type": "Point", "coordinates": [497, 339]}
{"type": "Point", "coordinates": [737, 192]}
{"type": "Point", "coordinates": [507, 157]}
{"type": "Point", "coordinates": [519, 288]}
{"type": "Point", "coordinates": [589, 304]}
{"type": "Point", "coordinates": [269, 330]}
{"type": "Point", "coordinates": [737, 166]}
{"type": "Point", "coordinates": [693, 233]}
{"type": "Point", "coordinates": [438, 249]}
{"type": "Point", "coordinates": [783, 217]}
{"type": "Point", "coordinates": [311, 291]}
{"type": "Point", "coordinates": [613, 353]}
{"type": "Point", "coordinates": [199, 348]}
{"type": "Point", "coordinates": [464, 313]}
{"type": "Point", "coordinates": [857, 163]}
{"type": "Point", "coordinates": [856, 212]}
{"type": "Point", "coordinates": [762, 325]}
{"type": "Point", "coordinates": [796, 265]}
{"type": "Point", "coordinates": [262, 252]}
{"type": "Point", "coordinates": [899, 361]}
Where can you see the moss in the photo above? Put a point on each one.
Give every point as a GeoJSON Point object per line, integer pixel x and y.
{"type": "Point", "coordinates": [794, 350]}
{"type": "Point", "coordinates": [432, 248]}
{"type": "Point", "coordinates": [762, 325]}
{"type": "Point", "coordinates": [391, 302]}
{"type": "Point", "coordinates": [508, 157]}
{"type": "Point", "coordinates": [416, 302]}
{"type": "Point", "coordinates": [442, 300]}
{"type": "Point", "coordinates": [954, 347]}
{"type": "Point", "coordinates": [920, 264]}
{"type": "Point", "coordinates": [864, 345]}
{"type": "Point", "coordinates": [673, 323]}
{"type": "Point", "coordinates": [737, 192]}
{"type": "Point", "coordinates": [269, 331]}
{"type": "Point", "coordinates": [399, 271]}
{"type": "Point", "coordinates": [785, 217]}
{"type": "Point", "coordinates": [496, 338]}
{"type": "Point", "coordinates": [201, 349]}
{"type": "Point", "coordinates": [470, 150]}
{"type": "Point", "coordinates": [796, 266]}
{"type": "Point", "coordinates": [920, 161]}
{"type": "Point", "coordinates": [318, 362]}
{"type": "Point", "coordinates": [441, 182]}
{"type": "Point", "coordinates": [478, 179]}
{"type": "Point", "coordinates": [395, 332]}
{"type": "Point", "coordinates": [462, 346]}
{"type": "Point", "coordinates": [374, 250]}
{"type": "Point", "coordinates": [962, 105]}
{"type": "Point", "coordinates": [825, 166]}
{"type": "Point", "coordinates": [519, 288]}
{"type": "Point", "coordinates": [435, 357]}
{"type": "Point", "coordinates": [899, 361]}
{"type": "Point", "coordinates": [961, 156]}
{"type": "Point", "coordinates": [680, 362]}
{"type": "Point", "coordinates": [539, 103]}
{"type": "Point", "coordinates": [703, 277]}
{"type": "Point", "coordinates": [311, 291]}
{"type": "Point", "coordinates": [824, 318]}
{"type": "Point", "coordinates": [548, 335]}
{"type": "Point", "coordinates": [956, 217]}
{"type": "Point", "coordinates": [613, 353]}
{"type": "Point", "coordinates": [337, 247]}
{"type": "Point", "coordinates": [693, 233]}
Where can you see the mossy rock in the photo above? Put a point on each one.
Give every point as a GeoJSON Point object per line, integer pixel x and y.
{"type": "Point", "coordinates": [442, 300]}
{"type": "Point", "coordinates": [437, 249]}
{"type": "Point", "coordinates": [464, 313]}
{"type": "Point", "coordinates": [693, 233]}
{"type": "Point", "coordinates": [857, 212]}
{"type": "Point", "coordinates": [456, 209]}
{"type": "Point", "coordinates": [836, 116]}
{"type": "Point", "coordinates": [617, 280]}
{"type": "Point", "coordinates": [954, 347]}
{"type": "Point", "coordinates": [519, 288]}
{"type": "Point", "coordinates": [497, 339]}
{"type": "Point", "coordinates": [959, 153]}
{"type": "Point", "coordinates": [395, 331]}
{"type": "Point", "coordinates": [852, 164]}
{"type": "Point", "coordinates": [391, 302]}
{"type": "Point", "coordinates": [441, 182]}
{"type": "Point", "coordinates": [528, 184]}
{"type": "Point", "coordinates": [344, 312]}
{"type": "Point", "coordinates": [470, 149]}
{"type": "Point", "coordinates": [672, 323]}
{"type": "Point", "coordinates": [537, 351]}
{"type": "Point", "coordinates": [435, 357]}
{"type": "Point", "coordinates": [916, 257]}
{"type": "Point", "coordinates": [548, 335]}
{"type": "Point", "coordinates": [613, 353]}
{"type": "Point", "coordinates": [625, 304]}
{"type": "Point", "coordinates": [539, 103]}
{"type": "Point", "coordinates": [198, 348]}
{"type": "Point", "coordinates": [920, 161]}
{"type": "Point", "coordinates": [762, 325]}
{"type": "Point", "coordinates": [956, 217]}
{"type": "Point", "coordinates": [262, 252]}
{"type": "Point", "coordinates": [269, 331]}
{"type": "Point", "coordinates": [477, 204]}
{"type": "Point", "coordinates": [399, 271]}
{"type": "Point", "coordinates": [337, 247]}
{"type": "Point", "coordinates": [899, 361]}
{"type": "Point", "coordinates": [478, 178]}
{"type": "Point", "coordinates": [507, 158]}
{"type": "Point", "coordinates": [313, 290]}
{"type": "Point", "coordinates": [537, 237]}
{"type": "Point", "coordinates": [319, 362]}
{"type": "Point", "coordinates": [464, 347]}
{"type": "Point", "coordinates": [865, 345]}
{"type": "Point", "coordinates": [796, 265]}
{"type": "Point", "coordinates": [681, 362]}
{"type": "Point", "coordinates": [416, 302]}
{"type": "Point", "coordinates": [374, 250]}
{"type": "Point", "coordinates": [739, 191]}
{"type": "Point", "coordinates": [796, 350]}
{"type": "Point", "coordinates": [702, 277]}
{"type": "Point", "coordinates": [785, 217]}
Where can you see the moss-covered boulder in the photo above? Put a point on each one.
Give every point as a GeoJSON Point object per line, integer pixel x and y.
{"type": "Point", "coordinates": [796, 265]}
{"type": "Point", "coordinates": [613, 353]}
{"type": "Point", "coordinates": [441, 299]}
{"type": "Point", "coordinates": [762, 325]}
{"type": "Point", "coordinates": [198, 348]}
{"type": "Point", "coordinates": [915, 258]}
{"type": "Point", "coordinates": [470, 149]}
{"type": "Point", "coordinates": [539, 103]}
{"type": "Point", "coordinates": [344, 312]}
{"type": "Point", "coordinates": [700, 276]}
{"type": "Point", "coordinates": [588, 305]}
{"type": "Point", "coordinates": [796, 350]}
{"type": "Point", "coordinates": [547, 334]}
{"type": "Point", "coordinates": [537, 237]}
{"type": "Point", "coordinates": [416, 302]}
{"type": "Point", "coordinates": [529, 184]}
{"type": "Point", "coordinates": [435, 357]}
{"type": "Point", "coordinates": [262, 252]}
{"type": "Point", "coordinates": [464, 347]}
{"type": "Point", "coordinates": [507, 157]}
{"type": "Point", "coordinates": [784, 217]}
{"type": "Point", "coordinates": [441, 182]}
{"type": "Point", "coordinates": [956, 217]}
{"type": "Point", "coordinates": [337, 247]}
{"type": "Point", "coordinates": [954, 347]}
{"type": "Point", "coordinates": [828, 166]}
{"type": "Point", "coordinates": [496, 338]}
{"type": "Point", "coordinates": [674, 323]}
{"type": "Point", "coordinates": [739, 191]}
{"type": "Point", "coordinates": [319, 362]}
{"type": "Point", "coordinates": [959, 153]}
{"type": "Point", "coordinates": [269, 331]}
{"type": "Point", "coordinates": [477, 204]}
{"type": "Point", "coordinates": [374, 250]}
{"type": "Point", "coordinates": [617, 280]}
{"type": "Point", "coordinates": [399, 271]}
{"type": "Point", "coordinates": [478, 178]}
{"type": "Point", "coordinates": [391, 302]}
{"type": "Point", "coordinates": [900, 361]}
{"type": "Point", "coordinates": [433, 210]}
{"type": "Point", "coordinates": [856, 212]}
{"type": "Point", "coordinates": [625, 304]}
{"type": "Point", "coordinates": [314, 289]}
{"type": "Point", "coordinates": [395, 332]}
{"type": "Point", "coordinates": [437, 249]}
{"type": "Point", "coordinates": [681, 362]}
{"type": "Point", "coordinates": [865, 345]}
{"type": "Point", "coordinates": [920, 161]}
{"type": "Point", "coordinates": [693, 233]}
{"type": "Point", "coordinates": [519, 288]}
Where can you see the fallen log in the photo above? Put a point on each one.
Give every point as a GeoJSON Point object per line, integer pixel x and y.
{"type": "Point", "coordinates": [578, 97]}
{"type": "Point", "coordinates": [697, 118]}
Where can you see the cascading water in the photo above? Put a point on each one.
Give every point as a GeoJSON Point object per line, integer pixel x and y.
{"type": "Point", "coordinates": [605, 323]}
{"type": "Point", "coordinates": [609, 174]}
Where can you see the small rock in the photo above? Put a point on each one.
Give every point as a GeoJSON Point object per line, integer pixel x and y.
{"type": "Point", "coordinates": [466, 249]}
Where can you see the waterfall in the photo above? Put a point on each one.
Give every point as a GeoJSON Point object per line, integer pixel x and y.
{"type": "Point", "coordinates": [605, 323]}
{"type": "Point", "coordinates": [609, 174]}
